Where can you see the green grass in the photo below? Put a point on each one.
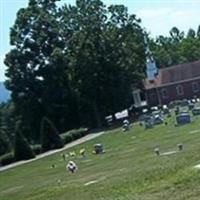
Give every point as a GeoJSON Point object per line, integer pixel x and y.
{"type": "Point", "coordinates": [128, 170]}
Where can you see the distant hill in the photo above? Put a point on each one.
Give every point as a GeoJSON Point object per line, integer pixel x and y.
{"type": "Point", "coordinates": [4, 93]}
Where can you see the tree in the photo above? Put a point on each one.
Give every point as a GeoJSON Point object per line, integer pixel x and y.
{"type": "Point", "coordinates": [50, 138]}
{"type": "Point", "coordinates": [198, 32]}
{"type": "Point", "coordinates": [176, 35]}
{"type": "Point", "coordinates": [22, 150]}
{"type": "Point", "coordinates": [36, 71]}
{"type": "Point", "coordinates": [75, 64]}
{"type": "Point", "coordinates": [4, 141]}
{"type": "Point", "coordinates": [191, 33]}
{"type": "Point", "coordinates": [7, 127]}
{"type": "Point", "coordinates": [106, 56]}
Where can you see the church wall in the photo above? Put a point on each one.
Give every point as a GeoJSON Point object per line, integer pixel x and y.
{"type": "Point", "coordinates": [169, 93]}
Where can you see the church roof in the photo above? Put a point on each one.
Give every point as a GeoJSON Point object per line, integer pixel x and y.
{"type": "Point", "coordinates": [175, 74]}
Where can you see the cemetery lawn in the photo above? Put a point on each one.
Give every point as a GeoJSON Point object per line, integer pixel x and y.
{"type": "Point", "coordinates": [128, 170]}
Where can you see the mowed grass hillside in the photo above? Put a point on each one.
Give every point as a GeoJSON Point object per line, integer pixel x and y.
{"type": "Point", "coordinates": [128, 170]}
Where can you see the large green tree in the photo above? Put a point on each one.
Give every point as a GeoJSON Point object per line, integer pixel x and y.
{"type": "Point", "coordinates": [36, 66]}
{"type": "Point", "coordinates": [106, 56]}
{"type": "Point", "coordinates": [74, 64]}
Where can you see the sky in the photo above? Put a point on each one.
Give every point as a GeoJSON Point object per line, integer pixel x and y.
{"type": "Point", "coordinates": [158, 17]}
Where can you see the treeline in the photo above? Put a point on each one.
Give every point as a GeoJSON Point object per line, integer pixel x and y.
{"type": "Point", "coordinates": [178, 48]}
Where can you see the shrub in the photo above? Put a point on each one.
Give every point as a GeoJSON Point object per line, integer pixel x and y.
{"type": "Point", "coordinates": [66, 138]}
{"type": "Point", "coordinates": [7, 159]}
{"type": "Point", "coordinates": [22, 150]}
{"type": "Point", "coordinates": [50, 138]}
{"type": "Point", "coordinates": [4, 140]}
{"type": "Point", "coordinates": [37, 149]}
{"type": "Point", "coordinates": [73, 135]}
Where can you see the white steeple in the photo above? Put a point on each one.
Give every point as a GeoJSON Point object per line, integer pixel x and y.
{"type": "Point", "coordinates": [151, 69]}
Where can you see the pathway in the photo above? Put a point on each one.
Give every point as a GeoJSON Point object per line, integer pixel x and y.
{"type": "Point", "coordinates": [67, 146]}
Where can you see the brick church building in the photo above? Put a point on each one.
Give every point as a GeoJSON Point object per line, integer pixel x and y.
{"type": "Point", "coordinates": [173, 83]}
{"type": "Point", "coordinates": [161, 86]}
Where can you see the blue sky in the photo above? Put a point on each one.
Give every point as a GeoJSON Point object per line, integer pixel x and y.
{"type": "Point", "coordinates": [158, 17]}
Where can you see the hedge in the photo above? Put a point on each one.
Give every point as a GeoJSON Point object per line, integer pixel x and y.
{"type": "Point", "coordinates": [37, 148]}
{"type": "Point", "coordinates": [73, 135]}
{"type": "Point", "coordinates": [7, 159]}
{"type": "Point", "coordinates": [50, 138]}
{"type": "Point", "coordinates": [66, 138]}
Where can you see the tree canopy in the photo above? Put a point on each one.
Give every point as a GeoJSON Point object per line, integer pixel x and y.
{"type": "Point", "coordinates": [74, 64]}
{"type": "Point", "coordinates": [177, 49]}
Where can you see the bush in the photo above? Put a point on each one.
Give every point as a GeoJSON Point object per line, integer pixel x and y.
{"type": "Point", "coordinates": [37, 149]}
{"type": "Point", "coordinates": [22, 150]}
{"type": "Point", "coordinates": [4, 140]}
{"type": "Point", "coordinates": [73, 135]}
{"type": "Point", "coordinates": [7, 159]}
{"type": "Point", "coordinates": [66, 138]}
{"type": "Point", "coordinates": [50, 138]}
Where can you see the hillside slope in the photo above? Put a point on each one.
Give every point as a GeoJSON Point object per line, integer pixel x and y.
{"type": "Point", "coordinates": [129, 169]}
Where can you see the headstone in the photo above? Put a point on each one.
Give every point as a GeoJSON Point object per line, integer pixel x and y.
{"type": "Point", "coordinates": [180, 147]}
{"type": "Point", "coordinates": [165, 111]}
{"type": "Point", "coordinates": [59, 182]}
{"type": "Point", "coordinates": [196, 111]}
{"type": "Point", "coordinates": [149, 123]}
{"type": "Point", "coordinates": [193, 100]}
{"type": "Point", "coordinates": [184, 102]}
{"type": "Point", "coordinates": [126, 125]}
{"type": "Point", "coordinates": [157, 151]}
{"type": "Point", "coordinates": [98, 149]}
{"type": "Point", "coordinates": [157, 119]}
{"type": "Point", "coordinates": [191, 106]}
{"type": "Point", "coordinates": [144, 110]}
{"type": "Point", "coordinates": [143, 117]}
{"type": "Point", "coordinates": [183, 118]}
{"type": "Point", "coordinates": [154, 108]}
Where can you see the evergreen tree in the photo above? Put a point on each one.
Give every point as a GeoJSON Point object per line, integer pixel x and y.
{"type": "Point", "coordinates": [7, 127]}
{"type": "Point", "coordinates": [22, 150]}
{"type": "Point", "coordinates": [50, 138]}
{"type": "Point", "coordinates": [4, 141]}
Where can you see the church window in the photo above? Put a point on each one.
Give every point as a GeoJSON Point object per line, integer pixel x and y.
{"type": "Point", "coordinates": [195, 87]}
{"type": "Point", "coordinates": [179, 90]}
